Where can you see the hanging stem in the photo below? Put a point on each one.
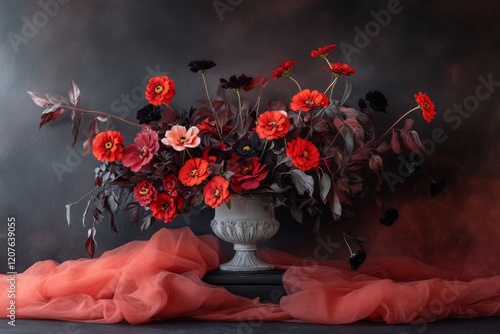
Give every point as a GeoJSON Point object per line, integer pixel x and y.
{"type": "Point", "coordinates": [104, 114]}
{"type": "Point", "coordinates": [87, 194]}
{"type": "Point", "coordinates": [399, 119]}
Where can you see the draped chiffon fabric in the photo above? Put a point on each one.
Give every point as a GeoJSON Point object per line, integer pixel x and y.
{"type": "Point", "coordinates": [161, 279]}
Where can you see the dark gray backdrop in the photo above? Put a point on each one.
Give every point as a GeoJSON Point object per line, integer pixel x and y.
{"type": "Point", "coordinates": [109, 47]}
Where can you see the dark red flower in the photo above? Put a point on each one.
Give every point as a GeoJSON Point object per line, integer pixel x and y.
{"type": "Point", "coordinates": [255, 82]}
{"type": "Point", "coordinates": [164, 208]}
{"type": "Point", "coordinates": [283, 70]}
{"type": "Point", "coordinates": [160, 90]}
{"type": "Point", "coordinates": [247, 173]}
{"type": "Point", "coordinates": [216, 191]}
{"type": "Point", "coordinates": [307, 100]}
{"type": "Point", "coordinates": [108, 146]}
{"type": "Point", "coordinates": [170, 185]}
{"type": "Point", "coordinates": [427, 106]}
{"type": "Point", "coordinates": [340, 69]}
{"type": "Point", "coordinates": [272, 124]}
{"type": "Point", "coordinates": [145, 193]}
{"type": "Point", "coordinates": [324, 51]}
{"type": "Point", "coordinates": [303, 153]}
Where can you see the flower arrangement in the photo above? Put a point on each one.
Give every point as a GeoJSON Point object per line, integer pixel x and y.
{"type": "Point", "coordinates": [313, 153]}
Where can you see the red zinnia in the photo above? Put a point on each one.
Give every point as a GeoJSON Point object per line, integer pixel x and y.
{"type": "Point", "coordinates": [427, 106]}
{"type": "Point", "coordinates": [216, 191]}
{"type": "Point", "coordinates": [247, 173]}
{"type": "Point", "coordinates": [193, 172]}
{"type": "Point", "coordinates": [272, 124]}
{"type": "Point", "coordinates": [340, 69]}
{"type": "Point", "coordinates": [164, 208]}
{"type": "Point", "coordinates": [144, 193]}
{"type": "Point", "coordinates": [108, 146]}
{"type": "Point", "coordinates": [170, 185]}
{"type": "Point", "coordinates": [284, 70]}
{"type": "Point", "coordinates": [160, 90]}
{"type": "Point", "coordinates": [137, 156]}
{"type": "Point", "coordinates": [323, 51]}
{"type": "Point", "coordinates": [307, 100]}
{"type": "Point", "coordinates": [303, 153]}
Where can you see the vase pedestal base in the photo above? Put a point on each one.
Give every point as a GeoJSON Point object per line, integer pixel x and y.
{"type": "Point", "coordinates": [267, 285]}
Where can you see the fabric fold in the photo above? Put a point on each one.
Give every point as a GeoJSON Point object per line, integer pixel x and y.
{"type": "Point", "coordinates": [161, 279]}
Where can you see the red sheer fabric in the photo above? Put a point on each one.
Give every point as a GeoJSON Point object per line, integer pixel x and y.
{"type": "Point", "coordinates": [161, 279]}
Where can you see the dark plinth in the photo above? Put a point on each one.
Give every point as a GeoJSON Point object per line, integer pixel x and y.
{"type": "Point", "coordinates": [267, 285]}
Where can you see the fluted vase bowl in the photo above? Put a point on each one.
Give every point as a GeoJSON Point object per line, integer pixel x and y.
{"type": "Point", "coordinates": [249, 221]}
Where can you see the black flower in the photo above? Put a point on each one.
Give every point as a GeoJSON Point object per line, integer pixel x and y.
{"type": "Point", "coordinates": [437, 187]}
{"type": "Point", "coordinates": [200, 66]}
{"type": "Point", "coordinates": [148, 114]}
{"type": "Point", "coordinates": [356, 260]}
{"type": "Point", "coordinates": [377, 101]}
{"type": "Point", "coordinates": [390, 217]}
{"type": "Point", "coordinates": [362, 104]}
{"type": "Point", "coordinates": [236, 82]}
{"type": "Point", "coordinates": [248, 147]}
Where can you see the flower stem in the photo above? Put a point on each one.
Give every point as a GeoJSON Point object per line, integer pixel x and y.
{"type": "Point", "coordinates": [399, 119]}
{"type": "Point", "coordinates": [87, 194]}
{"type": "Point", "coordinates": [239, 107]}
{"type": "Point", "coordinates": [104, 114]}
{"type": "Point", "coordinates": [263, 150]}
{"type": "Point", "coordinates": [347, 243]}
{"type": "Point", "coordinates": [332, 85]}
{"type": "Point", "coordinates": [300, 89]}
{"type": "Point", "coordinates": [217, 125]}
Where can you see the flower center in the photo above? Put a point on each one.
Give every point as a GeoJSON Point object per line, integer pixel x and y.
{"type": "Point", "coordinates": [217, 193]}
{"type": "Point", "coordinates": [182, 140]}
{"type": "Point", "coordinates": [426, 105]}
{"type": "Point", "coordinates": [144, 191]}
{"type": "Point", "coordinates": [193, 172]}
{"type": "Point", "coordinates": [305, 154]}
{"type": "Point", "coordinates": [108, 145]}
{"type": "Point", "coordinates": [272, 124]}
{"type": "Point", "coordinates": [246, 148]}
{"type": "Point", "coordinates": [143, 152]}
{"type": "Point", "coordinates": [310, 103]}
{"type": "Point", "coordinates": [158, 89]}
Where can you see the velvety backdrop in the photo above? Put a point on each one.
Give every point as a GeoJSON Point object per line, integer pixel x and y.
{"type": "Point", "coordinates": [448, 49]}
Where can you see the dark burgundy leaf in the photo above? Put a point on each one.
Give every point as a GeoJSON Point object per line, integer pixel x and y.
{"type": "Point", "coordinates": [408, 124]}
{"type": "Point", "coordinates": [56, 98]}
{"type": "Point", "coordinates": [409, 141]}
{"type": "Point", "coordinates": [133, 208]}
{"type": "Point", "coordinates": [395, 142]}
{"type": "Point", "coordinates": [277, 105]}
{"type": "Point", "coordinates": [73, 93]}
{"type": "Point", "coordinates": [40, 100]}
{"type": "Point", "coordinates": [90, 243]}
{"type": "Point", "coordinates": [77, 120]}
{"type": "Point", "coordinates": [87, 143]}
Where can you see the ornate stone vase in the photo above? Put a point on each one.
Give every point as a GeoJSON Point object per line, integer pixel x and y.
{"type": "Point", "coordinates": [249, 221]}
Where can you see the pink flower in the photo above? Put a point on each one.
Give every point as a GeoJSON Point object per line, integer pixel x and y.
{"type": "Point", "coordinates": [137, 156]}
{"type": "Point", "coordinates": [180, 138]}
